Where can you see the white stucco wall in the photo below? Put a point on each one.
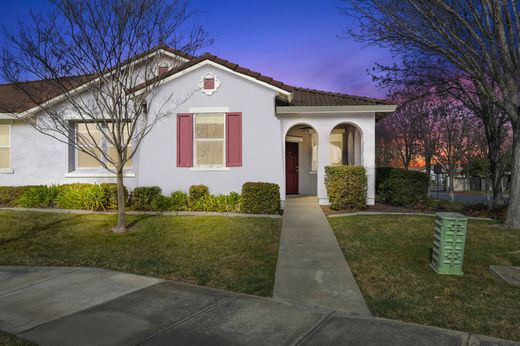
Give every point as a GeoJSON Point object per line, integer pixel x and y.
{"type": "Point", "coordinates": [261, 135]}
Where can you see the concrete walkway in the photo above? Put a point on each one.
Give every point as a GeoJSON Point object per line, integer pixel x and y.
{"type": "Point", "coordinates": [82, 306]}
{"type": "Point", "coordinates": [311, 268]}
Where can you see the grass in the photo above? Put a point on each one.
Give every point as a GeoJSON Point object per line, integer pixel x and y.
{"type": "Point", "coordinates": [390, 256]}
{"type": "Point", "coordinates": [238, 254]}
{"type": "Point", "coordinates": [7, 339]}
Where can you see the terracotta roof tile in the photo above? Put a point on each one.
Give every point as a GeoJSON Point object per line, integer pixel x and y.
{"type": "Point", "coordinates": [312, 97]}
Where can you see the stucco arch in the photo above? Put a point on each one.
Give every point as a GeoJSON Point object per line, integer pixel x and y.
{"type": "Point", "coordinates": [353, 142]}
{"type": "Point", "coordinates": [303, 138]}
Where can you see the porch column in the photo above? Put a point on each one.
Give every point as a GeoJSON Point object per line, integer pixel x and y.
{"type": "Point", "coordinates": [369, 160]}
{"type": "Point", "coordinates": [323, 160]}
{"type": "Point", "coordinates": [357, 148]}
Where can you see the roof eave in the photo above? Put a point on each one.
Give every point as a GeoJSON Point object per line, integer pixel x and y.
{"type": "Point", "coordinates": [384, 109]}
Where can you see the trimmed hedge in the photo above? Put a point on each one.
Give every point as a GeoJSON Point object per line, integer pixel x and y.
{"type": "Point", "coordinates": [260, 198]}
{"type": "Point", "coordinates": [401, 187]}
{"type": "Point", "coordinates": [147, 198]}
{"type": "Point", "coordinates": [198, 194]}
{"type": "Point", "coordinates": [346, 187]}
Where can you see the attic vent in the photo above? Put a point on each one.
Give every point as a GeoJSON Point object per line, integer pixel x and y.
{"type": "Point", "coordinates": [209, 83]}
{"type": "Point", "coordinates": [163, 70]}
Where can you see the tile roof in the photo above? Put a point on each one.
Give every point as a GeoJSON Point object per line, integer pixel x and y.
{"type": "Point", "coordinates": [311, 97]}
{"type": "Point", "coordinates": [14, 98]}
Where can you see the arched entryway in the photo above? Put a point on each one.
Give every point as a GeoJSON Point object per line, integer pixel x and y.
{"type": "Point", "coordinates": [301, 160]}
{"type": "Point", "coordinates": [346, 142]}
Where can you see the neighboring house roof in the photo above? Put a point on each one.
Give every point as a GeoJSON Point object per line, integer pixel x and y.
{"type": "Point", "coordinates": [14, 98]}
{"type": "Point", "coordinates": [19, 97]}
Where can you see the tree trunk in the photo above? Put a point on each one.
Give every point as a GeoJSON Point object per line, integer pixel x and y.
{"type": "Point", "coordinates": [513, 211]}
{"type": "Point", "coordinates": [121, 222]}
{"type": "Point", "coordinates": [452, 188]}
{"type": "Point", "coordinates": [428, 167]}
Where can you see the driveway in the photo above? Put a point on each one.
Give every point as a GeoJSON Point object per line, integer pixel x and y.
{"type": "Point", "coordinates": [82, 306]}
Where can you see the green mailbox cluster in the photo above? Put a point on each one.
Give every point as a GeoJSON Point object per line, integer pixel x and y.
{"type": "Point", "coordinates": [448, 244]}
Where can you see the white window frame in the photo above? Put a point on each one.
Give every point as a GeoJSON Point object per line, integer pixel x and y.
{"type": "Point", "coordinates": [104, 148]}
{"type": "Point", "coordinates": [10, 168]}
{"type": "Point", "coordinates": [195, 140]}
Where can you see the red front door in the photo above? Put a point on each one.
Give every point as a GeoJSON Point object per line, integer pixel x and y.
{"type": "Point", "coordinates": [291, 167]}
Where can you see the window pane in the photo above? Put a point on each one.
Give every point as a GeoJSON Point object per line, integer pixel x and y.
{"type": "Point", "coordinates": [210, 153]}
{"type": "Point", "coordinates": [4, 136]}
{"type": "Point", "coordinates": [4, 158]}
{"type": "Point", "coordinates": [87, 161]}
{"type": "Point", "coordinates": [112, 153]}
{"type": "Point", "coordinates": [209, 126]}
{"type": "Point", "coordinates": [86, 131]}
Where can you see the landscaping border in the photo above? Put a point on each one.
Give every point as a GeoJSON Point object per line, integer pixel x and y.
{"type": "Point", "coordinates": [358, 213]}
{"type": "Point", "coordinates": [136, 212]}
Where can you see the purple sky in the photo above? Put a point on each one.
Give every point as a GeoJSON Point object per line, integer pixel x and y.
{"type": "Point", "coordinates": [293, 41]}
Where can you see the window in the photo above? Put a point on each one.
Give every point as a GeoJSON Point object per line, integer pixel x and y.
{"type": "Point", "coordinates": [91, 138]}
{"type": "Point", "coordinates": [336, 148]}
{"type": "Point", "coordinates": [5, 147]}
{"type": "Point", "coordinates": [209, 140]}
{"type": "Point", "coordinates": [314, 154]}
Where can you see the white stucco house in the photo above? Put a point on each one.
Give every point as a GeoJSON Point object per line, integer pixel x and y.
{"type": "Point", "coordinates": [236, 126]}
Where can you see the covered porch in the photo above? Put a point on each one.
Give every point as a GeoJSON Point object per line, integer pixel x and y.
{"type": "Point", "coordinates": [316, 137]}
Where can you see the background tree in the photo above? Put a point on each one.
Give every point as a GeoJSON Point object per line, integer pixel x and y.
{"type": "Point", "coordinates": [94, 53]}
{"type": "Point", "coordinates": [477, 39]}
{"type": "Point", "coordinates": [455, 130]}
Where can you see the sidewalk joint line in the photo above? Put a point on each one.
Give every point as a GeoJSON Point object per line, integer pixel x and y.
{"type": "Point", "coordinates": [192, 316]}
{"type": "Point", "coordinates": [313, 329]}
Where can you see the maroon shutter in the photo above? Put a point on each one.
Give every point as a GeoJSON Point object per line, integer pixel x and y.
{"type": "Point", "coordinates": [233, 139]}
{"type": "Point", "coordinates": [184, 140]}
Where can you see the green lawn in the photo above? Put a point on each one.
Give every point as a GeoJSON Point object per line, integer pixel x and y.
{"type": "Point", "coordinates": [233, 253]}
{"type": "Point", "coordinates": [11, 340]}
{"type": "Point", "coordinates": [389, 256]}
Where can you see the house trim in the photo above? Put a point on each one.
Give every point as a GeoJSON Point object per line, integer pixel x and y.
{"type": "Point", "coordinates": [334, 109]}
{"type": "Point", "coordinates": [224, 68]}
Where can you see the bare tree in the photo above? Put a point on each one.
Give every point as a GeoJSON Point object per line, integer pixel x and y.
{"type": "Point", "coordinates": [386, 155]}
{"type": "Point", "coordinates": [455, 130]}
{"type": "Point", "coordinates": [403, 126]}
{"type": "Point", "coordinates": [477, 39]}
{"type": "Point", "coordinates": [90, 55]}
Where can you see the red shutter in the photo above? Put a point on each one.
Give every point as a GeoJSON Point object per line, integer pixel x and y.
{"type": "Point", "coordinates": [184, 140]}
{"type": "Point", "coordinates": [233, 139]}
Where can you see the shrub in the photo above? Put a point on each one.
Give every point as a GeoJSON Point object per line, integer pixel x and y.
{"type": "Point", "coordinates": [179, 201]}
{"type": "Point", "coordinates": [96, 197]}
{"type": "Point", "coordinates": [382, 175]}
{"type": "Point", "coordinates": [110, 191]}
{"type": "Point", "coordinates": [198, 192]}
{"type": "Point", "coordinates": [9, 194]}
{"type": "Point", "coordinates": [160, 203]}
{"type": "Point", "coordinates": [346, 187]}
{"type": "Point", "coordinates": [404, 188]}
{"type": "Point", "coordinates": [145, 198]}
{"type": "Point", "coordinates": [260, 198]}
{"type": "Point", "coordinates": [38, 197]}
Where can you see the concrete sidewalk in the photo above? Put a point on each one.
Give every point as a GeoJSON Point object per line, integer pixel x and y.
{"type": "Point", "coordinates": [311, 268]}
{"type": "Point", "coordinates": [43, 306]}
